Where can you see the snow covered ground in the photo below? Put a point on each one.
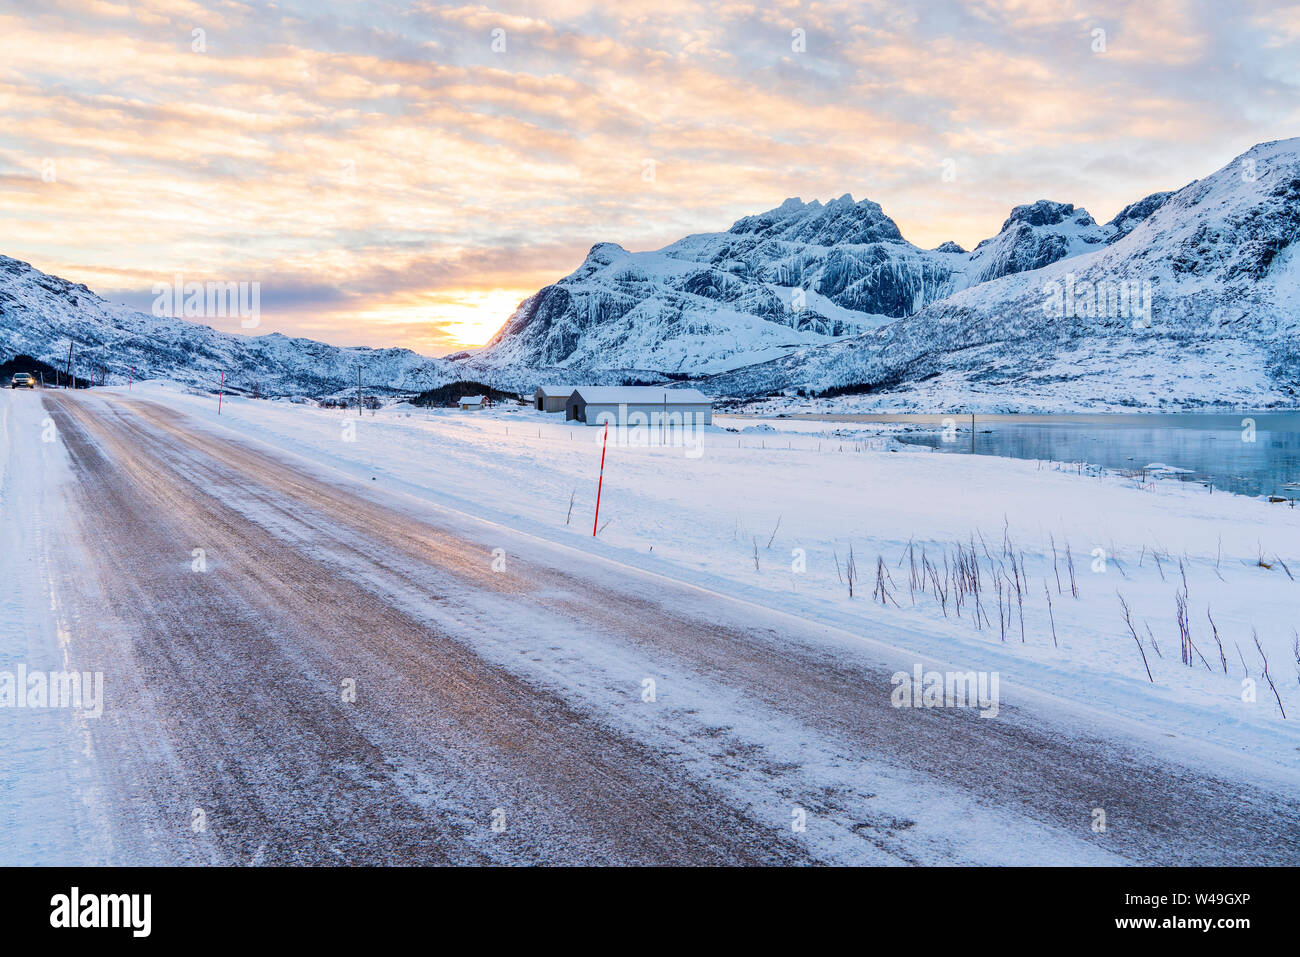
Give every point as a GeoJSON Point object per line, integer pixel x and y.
{"type": "Point", "coordinates": [772, 517]}
{"type": "Point", "coordinates": [47, 800]}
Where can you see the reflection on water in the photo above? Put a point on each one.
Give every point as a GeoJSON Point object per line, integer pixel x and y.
{"type": "Point", "coordinates": [1255, 453]}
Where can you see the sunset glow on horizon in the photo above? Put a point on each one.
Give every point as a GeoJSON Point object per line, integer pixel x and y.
{"type": "Point", "coordinates": [405, 174]}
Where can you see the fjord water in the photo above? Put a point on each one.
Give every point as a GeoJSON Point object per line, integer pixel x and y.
{"type": "Point", "coordinates": [1215, 447]}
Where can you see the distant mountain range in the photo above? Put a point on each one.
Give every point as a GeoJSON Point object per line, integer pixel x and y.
{"type": "Point", "coordinates": [41, 315]}
{"type": "Point", "coordinates": [802, 274]}
{"type": "Point", "coordinates": [1216, 260]}
{"type": "Point", "coordinates": [831, 298]}
{"type": "Point", "coordinates": [1184, 299]}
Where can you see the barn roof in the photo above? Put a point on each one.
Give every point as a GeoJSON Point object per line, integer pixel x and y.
{"type": "Point", "coordinates": [556, 391]}
{"type": "Point", "coordinates": [471, 399]}
{"type": "Point", "coordinates": [640, 395]}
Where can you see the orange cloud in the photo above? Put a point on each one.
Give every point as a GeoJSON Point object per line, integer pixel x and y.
{"type": "Point", "coordinates": [411, 184]}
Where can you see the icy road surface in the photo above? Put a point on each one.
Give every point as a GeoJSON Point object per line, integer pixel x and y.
{"type": "Point", "coordinates": [555, 708]}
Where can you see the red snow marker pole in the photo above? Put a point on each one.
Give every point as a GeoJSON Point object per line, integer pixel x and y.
{"type": "Point", "coordinates": [601, 483]}
{"type": "Point", "coordinates": [220, 391]}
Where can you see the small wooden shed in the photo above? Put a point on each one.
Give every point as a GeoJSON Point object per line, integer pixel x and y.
{"type": "Point", "coordinates": [551, 398]}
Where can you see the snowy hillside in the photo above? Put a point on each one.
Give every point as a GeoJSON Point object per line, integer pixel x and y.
{"type": "Point", "coordinates": [802, 274]}
{"type": "Point", "coordinates": [41, 314]}
{"type": "Point", "coordinates": [1192, 302]}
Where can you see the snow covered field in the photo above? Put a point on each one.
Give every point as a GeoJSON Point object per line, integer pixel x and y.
{"type": "Point", "coordinates": [772, 517]}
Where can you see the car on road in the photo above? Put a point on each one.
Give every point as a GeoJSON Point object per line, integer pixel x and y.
{"type": "Point", "coordinates": [23, 380]}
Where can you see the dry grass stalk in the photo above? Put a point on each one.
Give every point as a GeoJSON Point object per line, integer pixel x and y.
{"type": "Point", "coordinates": [1128, 620]}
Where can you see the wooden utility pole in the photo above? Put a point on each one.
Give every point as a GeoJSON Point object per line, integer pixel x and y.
{"type": "Point", "coordinates": [67, 371]}
{"type": "Point", "coordinates": [972, 433]}
{"type": "Point", "coordinates": [358, 390]}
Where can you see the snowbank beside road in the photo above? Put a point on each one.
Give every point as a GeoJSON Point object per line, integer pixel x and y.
{"type": "Point", "coordinates": [48, 807]}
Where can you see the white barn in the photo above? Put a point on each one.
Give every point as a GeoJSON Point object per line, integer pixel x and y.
{"type": "Point", "coordinates": [551, 398]}
{"type": "Point", "coordinates": [638, 405]}
{"type": "Point", "coordinates": [468, 402]}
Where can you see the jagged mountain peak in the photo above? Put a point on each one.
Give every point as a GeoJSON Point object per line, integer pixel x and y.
{"type": "Point", "coordinates": [606, 251]}
{"type": "Point", "coordinates": [601, 255]}
{"type": "Point", "coordinates": [840, 221]}
{"type": "Point", "coordinates": [1033, 236]}
{"type": "Point", "coordinates": [1045, 212]}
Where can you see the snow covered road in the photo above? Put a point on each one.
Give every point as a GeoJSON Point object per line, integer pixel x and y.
{"type": "Point", "coordinates": [300, 667]}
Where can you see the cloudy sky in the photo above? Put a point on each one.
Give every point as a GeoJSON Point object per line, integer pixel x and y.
{"type": "Point", "coordinates": [405, 173]}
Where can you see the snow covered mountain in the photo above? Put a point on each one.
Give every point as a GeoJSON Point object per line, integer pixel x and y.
{"type": "Point", "coordinates": [41, 314]}
{"type": "Point", "coordinates": [1184, 299]}
{"type": "Point", "coordinates": [802, 274]}
{"type": "Point", "coordinates": [1191, 298]}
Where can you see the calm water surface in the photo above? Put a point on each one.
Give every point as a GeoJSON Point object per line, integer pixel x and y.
{"type": "Point", "coordinates": [1217, 448]}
